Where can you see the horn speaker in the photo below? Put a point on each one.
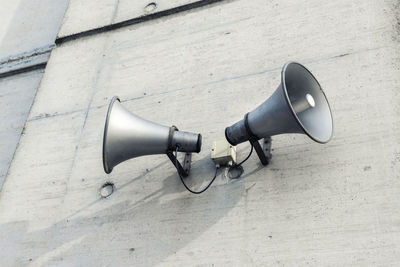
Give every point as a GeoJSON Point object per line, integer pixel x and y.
{"type": "Point", "coordinates": [299, 105]}
{"type": "Point", "coordinates": [128, 136]}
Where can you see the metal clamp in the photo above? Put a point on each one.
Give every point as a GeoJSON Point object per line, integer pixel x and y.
{"type": "Point", "coordinates": [185, 170]}
{"type": "Point", "coordinates": [264, 153]}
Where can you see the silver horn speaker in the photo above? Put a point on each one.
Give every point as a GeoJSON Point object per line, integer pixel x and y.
{"type": "Point", "coordinates": [128, 136]}
{"type": "Point", "coordinates": [299, 105]}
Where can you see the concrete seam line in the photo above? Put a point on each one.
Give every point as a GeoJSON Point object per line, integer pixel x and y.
{"type": "Point", "coordinates": [137, 20]}
{"type": "Point", "coordinates": [27, 55]}
{"type": "Point", "coordinates": [22, 70]}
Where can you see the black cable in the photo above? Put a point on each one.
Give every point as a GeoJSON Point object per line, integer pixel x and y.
{"type": "Point", "coordinates": [243, 161]}
{"type": "Point", "coordinates": [238, 167]}
{"type": "Point", "coordinates": [183, 182]}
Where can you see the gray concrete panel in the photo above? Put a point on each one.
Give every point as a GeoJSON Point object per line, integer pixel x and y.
{"type": "Point", "coordinates": [334, 204]}
{"type": "Point", "coordinates": [16, 97]}
{"type": "Point", "coordinates": [26, 26]}
{"type": "Point", "coordinates": [27, 33]}
{"type": "Point", "coordinates": [91, 14]}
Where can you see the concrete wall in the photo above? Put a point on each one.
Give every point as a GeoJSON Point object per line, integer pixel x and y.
{"type": "Point", "coordinates": [202, 68]}
{"type": "Point", "coordinates": [28, 30]}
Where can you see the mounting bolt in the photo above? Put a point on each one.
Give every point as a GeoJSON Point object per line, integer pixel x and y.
{"type": "Point", "coordinates": [106, 190]}
{"type": "Point", "coordinates": [150, 7]}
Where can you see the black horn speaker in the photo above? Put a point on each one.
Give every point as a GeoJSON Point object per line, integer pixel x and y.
{"type": "Point", "coordinates": [298, 105]}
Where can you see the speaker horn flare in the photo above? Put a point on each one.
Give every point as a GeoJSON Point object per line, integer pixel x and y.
{"type": "Point", "coordinates": [127, 136]}
{"type": "Point", "coordinates": [298, 105]}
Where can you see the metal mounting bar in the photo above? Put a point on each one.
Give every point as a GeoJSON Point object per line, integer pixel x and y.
{"type": "Point", "coordinates": [263, 153]}
{"type": "Point", "coordinates": [187, 162]}
{"type": "Point", "coordinates": [185, 170]}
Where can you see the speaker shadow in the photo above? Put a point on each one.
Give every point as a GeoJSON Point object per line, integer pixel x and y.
{"type": "Point", "coordinates": [142, 232]}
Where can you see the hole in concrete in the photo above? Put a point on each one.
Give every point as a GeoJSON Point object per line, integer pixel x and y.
{"type": "Point", "coordinates": [106, 190]}
{"type": "Point", "coordinates": [234, 172]}
{"type": "Point", "coordinates": [150, 7]}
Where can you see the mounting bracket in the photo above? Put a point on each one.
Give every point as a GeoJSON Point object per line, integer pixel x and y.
{"type": "Point", "coordinates": [263, 153]}
{"type": "Point", "coordinates": [185, 170]}
{"type": "Point", "coordinates": [182, 170]}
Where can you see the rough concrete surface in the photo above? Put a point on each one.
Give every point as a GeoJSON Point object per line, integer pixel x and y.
{"type": "Point", "coordinates": [331, 205]}
{"type": "Point", "coordinates": [27, 33]}
{"type": "Point", "coordinates": [16, 96]}
{"type": "Point", "coordinates": [92, 14]}
{"type": "Point", "coordinates": [27, 25]}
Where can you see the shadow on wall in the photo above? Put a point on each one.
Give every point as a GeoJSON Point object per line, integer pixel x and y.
{"type": "Point", "coordinates": [143, 232]}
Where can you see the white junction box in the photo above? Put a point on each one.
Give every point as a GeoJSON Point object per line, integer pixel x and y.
{"type": "Point", "coordinates": [223, 153]}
